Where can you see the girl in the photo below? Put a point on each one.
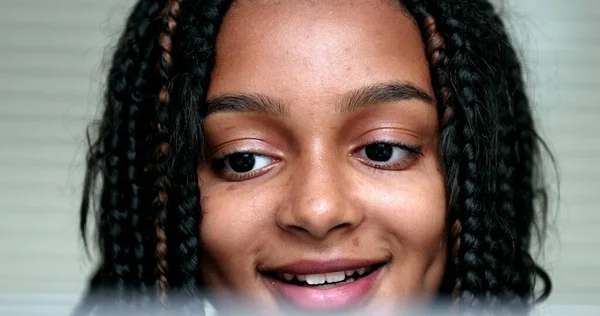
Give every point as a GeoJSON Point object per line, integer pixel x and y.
{"type": "Point", "coordinates": [319, 155]}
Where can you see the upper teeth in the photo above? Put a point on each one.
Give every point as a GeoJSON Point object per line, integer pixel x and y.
{"type": "Point", "coordinates": [330, 277]}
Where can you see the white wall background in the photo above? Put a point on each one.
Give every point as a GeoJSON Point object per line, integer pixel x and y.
{"type": "Point", "coordinates": [51, 73]}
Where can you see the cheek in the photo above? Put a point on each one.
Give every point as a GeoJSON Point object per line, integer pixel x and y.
{"type": "Point", "coordinates": [235, 223]}
{"type": "Point", "coordinates": [411, 215]}
{"type": "Point", "coordinates": [410, 210]}
{"type": "Point", "coordinates": [222, 235]}
{"type": "Point", "coordinates": [227, 223]}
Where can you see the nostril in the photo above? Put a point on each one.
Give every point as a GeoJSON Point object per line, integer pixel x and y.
{"type": "Point", "coordinates": [342, 226]}
{"type": "Point", "coordinates": [318, 233]}
{"type": "Point", "coordinates": [298, 229]}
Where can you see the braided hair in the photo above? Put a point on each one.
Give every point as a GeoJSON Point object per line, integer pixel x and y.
{"type": "Point", "coordinates": [145, 154]}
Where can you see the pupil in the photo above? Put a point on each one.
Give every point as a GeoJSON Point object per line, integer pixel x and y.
{"type": "Point", "coordinates": [241, 162]}
{"type": "Point", "coordinates": [379, 152]}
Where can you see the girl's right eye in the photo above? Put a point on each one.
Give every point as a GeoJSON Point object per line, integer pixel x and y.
{"type": "Point", "coordinates": [240, 166]}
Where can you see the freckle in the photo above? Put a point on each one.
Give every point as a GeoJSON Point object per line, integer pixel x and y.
{"type": "Point", "coordinates": [355, 242]}
{"type": "Point", "coordinates": [349, 68]}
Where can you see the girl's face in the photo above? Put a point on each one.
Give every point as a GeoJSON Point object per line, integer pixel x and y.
{"type": "Point", "coordinates": [321, 158]}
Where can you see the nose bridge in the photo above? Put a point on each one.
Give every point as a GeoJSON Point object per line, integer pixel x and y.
{"type": "Point", "coordinates": [319, 201]}
{"type": "Point", "coordinates": [320, 191]}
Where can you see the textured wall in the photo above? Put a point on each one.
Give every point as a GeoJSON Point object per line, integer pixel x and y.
{"type": "Point", "coordinates": [50, 77]}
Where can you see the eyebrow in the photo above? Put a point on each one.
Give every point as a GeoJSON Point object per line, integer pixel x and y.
{"type": "Point", "coordinates": [247, 103]}
{"type": "Point", "coordinates": [381, 93]}
{"type": "Point", "coordinates": [349, 102]}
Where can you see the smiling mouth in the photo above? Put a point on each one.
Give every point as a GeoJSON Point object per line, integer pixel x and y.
{"type": "Point", "coordinates": [324, 281]}
{"type": "Point", "coordinates": [325, 286]}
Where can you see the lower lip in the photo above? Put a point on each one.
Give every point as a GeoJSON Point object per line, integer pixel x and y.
{"type": "Point", "coordinates": [339, 297]}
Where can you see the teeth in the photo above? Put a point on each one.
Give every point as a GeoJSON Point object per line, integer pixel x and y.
{"type": "Point", "coordinates": [288, 276]}
{"type": "Point", "coordinates": [335, 277]}
{"type": "Point", "coordinates": [330, 286]}
{"type": "Point", "coordinates": [331, 277]}
{"type": "Point", "coordinates": [315, 279]}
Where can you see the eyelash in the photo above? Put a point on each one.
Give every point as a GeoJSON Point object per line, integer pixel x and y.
{"type": "Point", "coordinates": [413, 152]}
{"type": "Point", "coordinates": [218, 163]}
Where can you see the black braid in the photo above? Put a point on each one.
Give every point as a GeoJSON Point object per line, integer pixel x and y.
{"type": "Point", "coordinates": [512, 278]}
{"type": "Point", "coordinates": [199, 26]}
{"type": "Point", "coordinates": [514, 198]}
{"type": "Point", "coordinates": [486, 241]}
{"type": "Point", "coordinates": [117, 155]}
{"type": "Point", "coordinates": [158, 142]}
{"type": "Point", "coordinates": [520, 175]}
{"type": "Point", "coordinates": [528, 171]}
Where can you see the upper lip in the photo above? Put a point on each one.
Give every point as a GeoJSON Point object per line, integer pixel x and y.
{"type": "Point", "coordinates": [303, 267]}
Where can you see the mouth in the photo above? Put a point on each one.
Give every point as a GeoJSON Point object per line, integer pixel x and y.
{"type": "Point", "coordinates": [327, 290]}
{"type": "Point", "coordinates": [324, 281]}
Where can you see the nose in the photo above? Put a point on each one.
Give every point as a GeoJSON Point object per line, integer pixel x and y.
{"type": "Point", "coordinates": [319, 203]}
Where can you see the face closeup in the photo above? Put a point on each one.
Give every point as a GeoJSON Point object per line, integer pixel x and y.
{"type": "Point", "coordinates": [321, 187]}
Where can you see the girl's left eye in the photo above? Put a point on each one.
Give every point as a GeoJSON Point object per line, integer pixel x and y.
{"type": "Point", "coordinates": [383, 155]}
{"type": "Point", "coordinates": [241, 165]}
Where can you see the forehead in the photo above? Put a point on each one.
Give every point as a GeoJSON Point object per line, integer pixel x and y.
{"type": "Point", "coordinates": [293, 49]}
